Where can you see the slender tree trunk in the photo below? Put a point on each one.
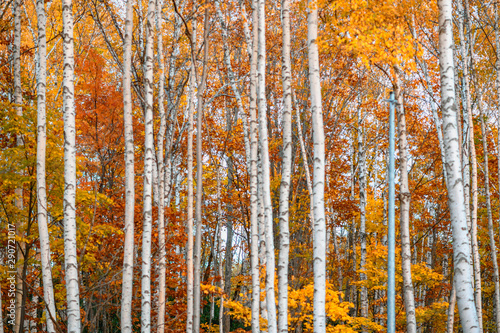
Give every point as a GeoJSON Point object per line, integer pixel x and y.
{"type": "Point", "coordinates": [199, 179]}
{"type": "Point", "coordinates": [362, 216]}
{"type": "Point", "coordinates": [497, 84]}
{"type": "Point", "coordinates": [190, 198]}
{"type": "Point", "coordinates": [254, 200]}
{"type": "Point", "coordinates": [304, 158]}
{"type": "Point", "coordinates": [262, 230]}
{"type": "Point", "coordinates": [128, 248]}
{"type": "Point", "coordinates": [228, 269]}
{"type": "Point", "coordinates": [461, 246]}
{"type": "Point", "coordinates": [283, 259]}
{"type": "Point", "coordinates": [160, 166]}
{"type": "Point", "coordinates": [404, 202]}
{"type": "Point", "coordinates": [148, 173]}
{"type": "Point", "coordinates": [219, 240]}
{"type": "Point", "coordinates": [318, 204]}
{"type": "Point", "coordinates": [30, 326]}
{"type": "Point", "coordinates": [473, 164]}
{"type": "Point", "coordinates": [491, 230]}
{"type": "Point", "coordinates": [18, 201]}
{"type": "Point", "coordinates": [43, 231]}
{"type": "Point", "coordinates": [264, 146]}
{"type": "Point", "coordinates": [451, 310]}
{"type": "Point", "coordinates": [70, 256]}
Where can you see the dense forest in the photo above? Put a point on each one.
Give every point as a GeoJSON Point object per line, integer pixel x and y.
{"type": "Point", "coordinates": [225, 166]}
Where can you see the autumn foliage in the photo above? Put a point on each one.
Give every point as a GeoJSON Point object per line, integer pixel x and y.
{"type": "Point", "coordinates": [361, 43]}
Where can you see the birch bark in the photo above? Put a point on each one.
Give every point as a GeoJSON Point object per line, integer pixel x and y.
{"type": "Point", "coordinates": [362, 210]}
{"type": "Point", "coordinates": [464, 41]}
{"type": "Point", "coordinates": [318, 204]}
{"type": "Point", "coordinates": [304, 157]}
{"type": "Point", "coordinates": [284, 237]}
{"type": "Point", "coordinates": [497, 86]}
{"type": "Point", "coordinates": [491, 230]}
{"type": "Point", "coordinates": [128, 248]}
{"type": "Point", "coordinates": [254, 201]}
{"type": "Point", "coordinates": [404, 201]}
{"type": "Point", "coordinates": [43, 231]}
{"type": "Point", "coordinates": [148, 174]}
{"type": "Point", "coordinates": [199, 179]}
{"type": "Point", "coordinates": [461, 246]}
{"type": "Point", "coordinates": [70, 256]}
{"type": "Point", "coordinates": [190, 199]}
{"type": "Point", "coordinates": [18, 201]}
{"type": "Point", "coordinates": [160, 166]}
{"type": "Point", "coordinates": [264, 146]}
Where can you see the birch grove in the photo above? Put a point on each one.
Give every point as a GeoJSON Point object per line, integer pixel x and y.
{"type": "Point", "coordinates": [281, 107]}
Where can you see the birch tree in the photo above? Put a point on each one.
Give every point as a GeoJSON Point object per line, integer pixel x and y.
{"type": "Point", "coordinates": [18, 201]}
{"type": "Point", "coordinates": [199, 178]}
{"type": "Point", "coordinates": [128, 247]}
{"type": "Point", "coordinates": [362, 216]}
{"type": "Point", "coordinates": [318, 203]}
{"type": "Point", "coordinates": [70, 256]}
{"type": "Point", "coordinates": [404, 209]}
{"type": "Point", "coordinates": [148, 173]}
{"type": "Point", "coordinates": [160, 166]}
{"type": "Point", "coordinates": [286, 171]}
{"type": "Point", "coordinates": [43, 231]}
{"type": "Point", "coordinates": [470, 160]}
{"type": "Point", "coordinates": [190, 196]}
{"type": "Point", "coordinates": [266, 186]}
{"type": "Point", "coordinates": [254, 204]}
{"type": "Point", "coordinates": [461, 246]}
{"type": "Point", "coordinates": [491, 230]}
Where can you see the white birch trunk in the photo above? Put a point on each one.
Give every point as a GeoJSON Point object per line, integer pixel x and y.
{"type": "Point", "coordinates": [199, 179]}
{"type": "Point", "coordinates": [266, 186]}
{"type": "Point", "coordinates": [190, 198]}
{"type": "Point", "coordinates": [219, 253]}
{"type": "Point", "coordinates": [404, 209]}
{"type": "Point", "coordinates": [148, 174]}
{"type": "Point", "coordinates": [160, 166]}
{"type": "Point", "coordinates": [497, 86]}
{"type": "Point", "coordinates": [362, 216]}
{"type": "Point", "coordinates": [451, 310]}
{"type": "Point", "coordinates": [128, 247]}
{"type": "Point", "coordinates": [318, 204]}
{"type": "Point", "coordinates": [473, 165]}
{"type": "Point", "coordinates": [304, 158]}
{"type": "Point", "coordinates": [461, 246]}
{"type": "Point", "coordinates": [31, 325]}
{"type": "Point", "coordinates": [286, 172]}
{"type": "Point", "coordinates": [43, 231]}
{"type": "Point", "coordinates": [70, 256]}
{"type": "Point", "coordinates": [491, 230]}
{"type": "Point", "coordinates": [18, 201]}
{"type": "Point", "coordinates": [254, 200]}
